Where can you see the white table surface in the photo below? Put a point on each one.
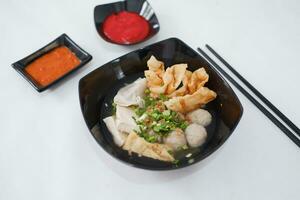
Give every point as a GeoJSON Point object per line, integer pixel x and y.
{"type": "Point", "coordinates": [47, 152]}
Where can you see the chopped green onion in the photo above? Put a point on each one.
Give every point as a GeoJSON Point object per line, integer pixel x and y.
{"type": "Point", "coordinates": [175, 162]}
{"type": "Point", "coordinates": [166, 113]}
{"type": "Point", "coordinates": [147, 91]}
{"type": "Point", "coordinates": [155, 120]}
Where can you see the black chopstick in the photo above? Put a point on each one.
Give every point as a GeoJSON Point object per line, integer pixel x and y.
{"type": "Point", "coordinates": [256, 92]}
{"type": "Point", "coordinates": [252, 99]}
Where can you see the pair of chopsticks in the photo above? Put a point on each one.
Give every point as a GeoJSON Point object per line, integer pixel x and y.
{"type": "Point", "coordinates": [295, 137]}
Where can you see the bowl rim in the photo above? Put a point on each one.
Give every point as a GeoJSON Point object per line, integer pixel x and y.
{"type": "Point", "coordinates": [146, 167]}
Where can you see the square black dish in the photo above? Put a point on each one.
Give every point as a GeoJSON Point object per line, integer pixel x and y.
{"type": "Point", "coordinates": [97, 89]}
{"type": "Point", "coordinates": [62, 40]}
{"type": "Point", "coordinates": [142, 7]}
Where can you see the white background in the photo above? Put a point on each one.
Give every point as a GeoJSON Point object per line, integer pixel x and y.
{"type": "Point", "coordinates": [47, 152]}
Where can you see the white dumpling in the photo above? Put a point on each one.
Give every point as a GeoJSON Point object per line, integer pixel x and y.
{"type": "Point", "coordinates": [131, 93]}
{"type": "Point", "coordinates": [175, 139]}
{"type": "Point", "coordinates": [195, 135]}
{"type": "Point", "coordinates": [118, 137]}
{"type": "Point", "coordinates": [199, 116]}
{"type": "Point", "coordinates": [124, 119]}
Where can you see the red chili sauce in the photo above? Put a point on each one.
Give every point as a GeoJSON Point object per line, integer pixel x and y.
{"type": "Point", "coordinates": [52, 65]}
{"type": "Point", "coordinates": [126, 27]}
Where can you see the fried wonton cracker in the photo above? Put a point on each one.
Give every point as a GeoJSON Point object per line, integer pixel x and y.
{"type": "Point", "coordinates": [177, 73]}
{"type": "Point", "coordinates": [189, 102]}
{"type": "Point", "coordinates": [197, 80]}
{"type": "Point", "coordinates": [135, 143]}
{"type": "Point", "coordinates": [156, 66]}
{"type": "Point", "coordinates": [191, 93]}
{"type": "Point", "coordinates": [183, 90]}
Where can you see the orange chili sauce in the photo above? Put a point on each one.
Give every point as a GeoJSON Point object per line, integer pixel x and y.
{"type": "Point", "coordinates": [52, 65]}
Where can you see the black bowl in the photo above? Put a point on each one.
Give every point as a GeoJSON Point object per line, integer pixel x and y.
{"type": "Point", "coordinates": [142, 7]}
{"type": "Point", "coordinates": [83, 56]}
{"type": "Point", "coordinates": [97, 89]}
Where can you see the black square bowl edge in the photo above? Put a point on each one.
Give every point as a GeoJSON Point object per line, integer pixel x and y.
{"type": "Point", "coordinates": [140, 165]}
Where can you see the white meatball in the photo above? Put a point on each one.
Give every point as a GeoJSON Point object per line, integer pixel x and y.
{"type": "Point", "coordinates": [195, 135]}
{"type": "Point", "coordinates": [199, 116]}
{"type": "Point", "coordinates": [175, 139]}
